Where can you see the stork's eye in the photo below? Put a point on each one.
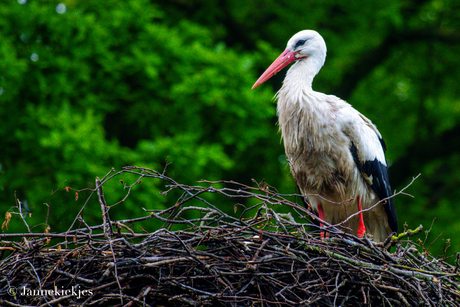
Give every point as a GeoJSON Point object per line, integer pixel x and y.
{"type": "Point", "coordinates": [300, 43]}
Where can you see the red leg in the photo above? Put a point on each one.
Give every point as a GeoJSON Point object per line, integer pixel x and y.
{"type": "Point", "coordinates": [361, 227]}
{"type": "Point", "coordinates": [321, 217]}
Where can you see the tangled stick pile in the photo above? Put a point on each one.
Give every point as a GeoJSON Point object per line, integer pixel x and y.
{"type": "Point", "coordinates": [267, 259]}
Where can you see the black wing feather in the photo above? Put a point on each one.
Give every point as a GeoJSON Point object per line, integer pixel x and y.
{"type": "Point", "coordinates": [380, 182]}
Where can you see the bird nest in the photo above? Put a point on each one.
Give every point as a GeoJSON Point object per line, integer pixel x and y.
{"type": "Point", "coordinates": [259, 258]}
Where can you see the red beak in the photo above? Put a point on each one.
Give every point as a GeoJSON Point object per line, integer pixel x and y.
{"type": "Point", "coordinates": [286, 58]}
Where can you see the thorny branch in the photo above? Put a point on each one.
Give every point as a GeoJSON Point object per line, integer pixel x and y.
{"type": "Point", "coordinates": [260, 258]}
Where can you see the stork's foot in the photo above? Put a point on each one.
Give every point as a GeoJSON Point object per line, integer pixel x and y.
{"type": "Point", "coordinates": [361, 227]}
{"type": "Point", "coordinates": [361, 231]}
{"type": "Point", "coordinates": [322, 234]}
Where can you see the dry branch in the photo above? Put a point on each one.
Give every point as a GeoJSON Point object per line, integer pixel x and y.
{"type": "Point", "coordinates": [267, 259]}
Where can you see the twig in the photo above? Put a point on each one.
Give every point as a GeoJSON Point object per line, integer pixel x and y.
{"type": "Point", "coordinates": [262, 258]}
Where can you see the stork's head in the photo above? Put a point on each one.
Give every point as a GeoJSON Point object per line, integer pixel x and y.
{"type": "Point", "coordinates": [303, 45]}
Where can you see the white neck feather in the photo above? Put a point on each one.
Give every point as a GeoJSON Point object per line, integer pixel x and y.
{"type": "Point", "coordinates": [301, 111]}
{"type": "Point", "coordinates": [302, 73]}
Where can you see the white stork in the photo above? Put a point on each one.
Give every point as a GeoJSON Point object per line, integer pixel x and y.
{"type": "Point", "coordinates": [335, 153]}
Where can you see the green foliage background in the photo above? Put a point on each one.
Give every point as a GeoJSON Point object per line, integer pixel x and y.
{"type": "Point", "coordinates": [99, 84]}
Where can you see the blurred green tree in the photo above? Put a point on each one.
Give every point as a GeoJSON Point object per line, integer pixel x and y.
{"type": "Point", "coordinates": [109, 85]}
